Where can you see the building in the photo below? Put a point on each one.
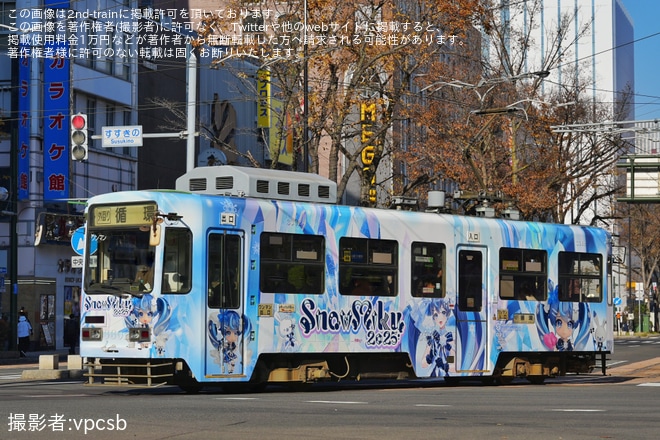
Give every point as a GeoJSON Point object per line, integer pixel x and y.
{"type": "Point", "coordinates": [53, 68]}
{"type": "Point", "coordinates": [120, 62]}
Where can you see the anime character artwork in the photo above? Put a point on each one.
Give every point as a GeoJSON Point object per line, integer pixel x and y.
{"type": "Point", "coordinates": [288, 340]}
{"type": "Point", "coordinates": [563, 325]}
{"type": "Point", "coordinates": [225, 333]}
{"type": "Point", "coordinates": [428, 337]}
{"type": "Point", "coordinates": [153, 313]}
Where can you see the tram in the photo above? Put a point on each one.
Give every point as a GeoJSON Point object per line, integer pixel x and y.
{"type": "Point", "coordinates": [244, 277]}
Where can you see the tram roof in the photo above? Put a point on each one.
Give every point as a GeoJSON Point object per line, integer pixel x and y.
{"type": "Point", "coordinates": [258, 182]}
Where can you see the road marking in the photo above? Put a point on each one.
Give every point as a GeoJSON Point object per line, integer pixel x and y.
{"type": "Point", "coordinates": [10, 376]}
{"type": "Point", "coordinates": [649, 384]}
{"type": "Point", "coordinates": [578, 410]}
{"type": "Point", "coordinates": [616, 363]}
{"type": "Point", "coordinates": [429, 405]}
{"type": "Point", "coordinates": [337, 402]}
{"type": "Point", "coordinates": [236, 398]}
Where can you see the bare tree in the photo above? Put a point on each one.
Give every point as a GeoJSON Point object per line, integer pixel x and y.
{"type": "Point", "coordinates": [492, 134]}
{"type": "Point", "coordinates": [360, 57]}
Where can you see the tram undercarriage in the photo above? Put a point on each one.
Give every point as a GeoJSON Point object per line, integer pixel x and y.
{"type": "Point", "coordinates": [537, 367]}
{"type": "Point", "coordinates": [297, 369]}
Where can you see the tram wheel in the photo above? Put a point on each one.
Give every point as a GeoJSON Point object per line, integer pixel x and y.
{"type": "Point", "coordinates": [504, 380]}
{"type": "Point", "coordinates": [536, 380]}
{"type": "Point", "coordinates": [191, 389]}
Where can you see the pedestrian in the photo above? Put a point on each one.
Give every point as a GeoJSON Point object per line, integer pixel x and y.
{"type": "Point", "coordinates": [72, 333]}
{"type": "Point", "coordinates": [24, 331]}
{"type": "Point", "coordinates": [4, 331]}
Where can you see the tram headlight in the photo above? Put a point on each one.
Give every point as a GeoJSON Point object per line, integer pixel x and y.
{"type": "Point", "coordinates": [141, 334]}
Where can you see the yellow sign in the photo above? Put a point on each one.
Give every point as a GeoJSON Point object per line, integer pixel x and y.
{"type": "Point", "coordinates": [368, 154]}
{"type": "Point", "coordinates": [263, 103]}
{"type": "Point", "coordinates": [122, 215]}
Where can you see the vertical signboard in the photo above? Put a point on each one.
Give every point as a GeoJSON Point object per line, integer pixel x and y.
{"type": "Point", "coordinates": [263, 104]}
{"type": "Point", "coordinates": [57, 79]}
{"type": "Point", "coordinates": [24, 119]}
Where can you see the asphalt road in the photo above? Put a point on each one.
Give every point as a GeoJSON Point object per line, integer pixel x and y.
{"type": "Point", "coordinates": [623, 405]}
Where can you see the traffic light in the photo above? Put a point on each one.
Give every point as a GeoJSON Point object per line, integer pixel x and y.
{"type": "Point", "coordinates": [79, 137]}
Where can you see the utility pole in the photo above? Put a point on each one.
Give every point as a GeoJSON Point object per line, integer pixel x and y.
{"type": "Point", "coordinates": [191, 83]}
{"type": "Point", "coordinates": [191, 102]}
{"type": "Point", "coordinates": [305, 136]}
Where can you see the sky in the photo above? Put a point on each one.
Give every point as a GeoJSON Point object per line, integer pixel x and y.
{"type": "Point", "coordinates": [646, 20]}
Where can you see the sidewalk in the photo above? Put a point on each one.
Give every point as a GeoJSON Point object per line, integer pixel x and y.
{"type": "Point", "coordinates": [9, 359]}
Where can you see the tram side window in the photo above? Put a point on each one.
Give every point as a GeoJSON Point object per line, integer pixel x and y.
{"type": "Point", "coordinates": [177, 266]}
{"type": "Point", "coordinates": [224, 271]}
{"type": "Point", "coordinates": [580, 276]}
{"type": "Point", "coordinates": [428, 262]}
{"type": "Point", "coordinates": [368, 267]}
{"type": "Point", "coordinates": [523, 274]}
{"type": "Point", "coordinates": [292, 263]}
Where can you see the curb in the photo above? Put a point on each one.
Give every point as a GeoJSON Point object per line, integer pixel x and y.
{"type": "Point", "coordinates": [51, 374]}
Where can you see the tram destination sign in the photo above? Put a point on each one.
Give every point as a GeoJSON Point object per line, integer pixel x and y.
{"type": "Point", "coordinates": [123, 215]}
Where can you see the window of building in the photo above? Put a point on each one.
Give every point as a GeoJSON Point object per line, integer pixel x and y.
{"type": "Point", "coordinates": [292, 263]}
{"type": "Point", "coordinates": [580, 277]}
{"type": "Point", "coordinates": [523, 274]}
{"type": "Point", "coordinates": [368, 267]}
{"type": "Point", "coordinates": [428, 264]}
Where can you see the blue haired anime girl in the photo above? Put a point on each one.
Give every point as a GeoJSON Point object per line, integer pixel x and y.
{"type": "Point", "coordinates": [428, 338]}
{"type": "Point", "coordinates": [563, 325]}
{"type": "Point", "coordinates": [439, 344]}
{"type": "Point", "coordinates": [224, 332]}
{"type": "Point", "coordinates": [144, 314]}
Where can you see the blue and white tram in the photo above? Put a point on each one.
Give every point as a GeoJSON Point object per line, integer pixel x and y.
{"type": "Point", "coordinates": [249, 276]}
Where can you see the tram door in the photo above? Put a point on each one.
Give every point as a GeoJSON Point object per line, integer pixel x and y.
{"type": "Point", "coordinates": [471, 311]}
{"type": "Point", "coordinates": [225, 324]}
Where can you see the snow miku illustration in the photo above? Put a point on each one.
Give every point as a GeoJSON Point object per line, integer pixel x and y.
{"type": "Point", "coordinates": [599, 330]}
{"type": "Point", "coordinates": [563, 325]}
{"type": "Point", "coordinates": [225, 331]}
{"type": "Point", "coordinates": [428, 338]}
{"type": "Point", "coordinates": [154, 313]}
{"type": "Point", "coordinates": [288, 342]}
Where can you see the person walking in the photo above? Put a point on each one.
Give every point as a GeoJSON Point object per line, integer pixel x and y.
{"type": "Point", "coordinates": [72, 333]}
{"type": "Point", "coordinates": [24, 331]}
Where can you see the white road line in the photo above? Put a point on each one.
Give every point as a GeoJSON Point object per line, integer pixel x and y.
{"type": "Point", "coordinates": [337, 402]}
{"type": "Point", "coordinates": [616, 363]}
{"type": "Point", "coordinates": [10, 376]}
{"type": "Point", "coordinates": [429, 405]}
{"type": "Point", "coordinates": [649, 384]}
{"type": "Point", "coordinates": [577, 410]}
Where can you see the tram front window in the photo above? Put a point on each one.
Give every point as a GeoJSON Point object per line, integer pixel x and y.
{"type": "Point", "coordinates": [124, 262]}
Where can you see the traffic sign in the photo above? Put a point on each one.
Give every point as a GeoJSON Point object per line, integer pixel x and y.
{"type": "Point", "coordinates": [76, 261]}
{"type": "Point", "coordinates": [618, 301]}
{"type": "Point", "coordinates": [121, 136]}
{"type": "Point", "coordinates": [78, 242]}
